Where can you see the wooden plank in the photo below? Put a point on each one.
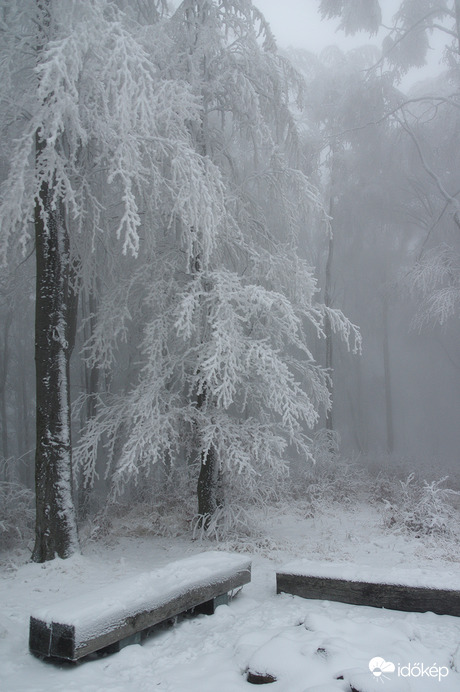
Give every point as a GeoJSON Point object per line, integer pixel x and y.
{"type": "Point", "coordinates": [57, 636]}
{"type": "Point", "coordinates": [149, 618]}
{"type": "Point", "coordinates": [418, 599]}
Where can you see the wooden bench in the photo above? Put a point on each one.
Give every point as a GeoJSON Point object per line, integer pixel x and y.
{"type": "Point", "coordinates": [112, 617]}
{"type": "Point", "coordinates": [394, 589]}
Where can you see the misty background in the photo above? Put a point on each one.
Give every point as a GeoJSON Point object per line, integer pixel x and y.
{"type": "Point", "coordinates": [377, 243]}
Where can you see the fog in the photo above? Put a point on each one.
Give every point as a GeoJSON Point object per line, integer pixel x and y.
{"type": "Point", "coordinates": [299, 24]}
{"type": "Point", "coordinates": [371, 262]}
{"type": "Point", "coordinates": [236, 216]}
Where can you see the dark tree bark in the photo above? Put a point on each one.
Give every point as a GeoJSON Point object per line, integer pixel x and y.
{"type": "Point", "coordinates": [3, 377]}
{"type": "Point", "coordinates": [207, 486]}
{"type": "Point", "coordinates": [55, 315]}
{"type": "Point", "coordinates": [56, 532]}
{"type": "Point", "coordinates": [209, 478]}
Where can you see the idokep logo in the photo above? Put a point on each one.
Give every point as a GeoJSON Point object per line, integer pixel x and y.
{"type": "Point", "coordinates": [379, 668]}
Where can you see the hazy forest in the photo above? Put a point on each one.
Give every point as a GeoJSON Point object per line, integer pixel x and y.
{"type": "Point", "coordinates": [230, 271]}
{"type": "Point", "coordinates": [229, 339]}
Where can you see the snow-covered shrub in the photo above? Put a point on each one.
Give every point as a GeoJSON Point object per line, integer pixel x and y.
{"type": "Point", "coordinates": [391, 466]}
{"type": "Point", "coordinates": [343, 482]}
{"type": "Point", "coordinates": [159, 519]}
{"type": "Point", "coordinates": [16, 514]}
{"type": "Point", "coordinates": [248, 528]}
{"type": "Point", "coordinates": [228, 522]}
{"type": "Point", "coordinates": [98, 527]}
{"type": "Point", "coordinates": [332, 478]}
{"type": "Point", "coordinates": [157, 505]}
{"type": "Point", "coordinates": [423, 508]}
{"type": "Point", "coordinates": [396, 467]}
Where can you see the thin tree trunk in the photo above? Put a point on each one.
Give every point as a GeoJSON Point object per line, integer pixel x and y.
{"type": "Point", "coordinates": [90, 385]}
{"type": "Point", "coordinates": [93, 379]}
{"type": "Point", "coordinates": [328, 299]}
{"type": "Point", "coordinates": [89, 374]}
{"type": "Point", "coordinates": [457, 23]}
{"type": "Point", "coordinates": [24, 438]}
{"type": "Point", "coordinates": [210, 473]}
{"type": "Point", "coordinates": [358, 412]}
{"type": "Point", "coordinates": [25, 412]}
{"type": "Point", "coordinates": [328, 331]}
{"type": "Point", "coordinates": [387, 380]}
{"type": "Point", "coordinates": [20, 441]}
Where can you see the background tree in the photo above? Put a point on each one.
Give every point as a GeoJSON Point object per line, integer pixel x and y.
{"type": "Point", "coordinates": [419, 115]}
{"type": "Point", "coordinates": [358, 180]}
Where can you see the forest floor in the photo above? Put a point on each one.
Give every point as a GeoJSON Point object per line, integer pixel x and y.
{"type": "Point", "coordinates": [306, 644]}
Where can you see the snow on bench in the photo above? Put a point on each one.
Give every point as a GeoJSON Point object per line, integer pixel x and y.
{"type": "Point", "coordinates": [412, 590]}
{"type": "Point", "coordinates": [116, 615]}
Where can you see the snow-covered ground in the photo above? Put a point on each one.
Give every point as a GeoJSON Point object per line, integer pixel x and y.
{"type": "Point", "coordinates": [307, 645]}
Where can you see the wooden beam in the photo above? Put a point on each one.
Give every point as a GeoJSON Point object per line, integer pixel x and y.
{"type": "Point", "coordinates": [109, 617]}
{"type": "Point", "coordinates": [418, 599]}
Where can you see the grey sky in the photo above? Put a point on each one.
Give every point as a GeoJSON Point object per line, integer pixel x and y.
{"type": "Point", "coordinates": [298, 23]}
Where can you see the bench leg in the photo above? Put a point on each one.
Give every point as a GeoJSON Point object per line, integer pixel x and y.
{"type": "Point", "coordinates": [118, 646]}
{"type": "Point", "coordinates": [209, 607]}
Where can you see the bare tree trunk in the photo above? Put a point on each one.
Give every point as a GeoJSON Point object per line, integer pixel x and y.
{"type": "Point", "coordinates": [3, 377]}
{"type": "Point", "coordinates": [93, 379]}
{"type": "Point", "coordinates": [207, 486]}
{"type": "Point", "coordinates": [24, 444]}
{"type": "Point", "coordinates": [387, 380]}
{"type": "Point", "coordinates": [358, 412]}
{"type": "Point", "coordinates": [89, 374]}
{"type": "Point", "coordinates": [55, 315]}
{"type": "Point", "coordinates": [210, 474]}
{"type": "Point", "coordinates": [329, 364]}
{"type": "Point", "coordinates": [25, 412]}
{"type": "Point", "coordinates": [328, 331]}
{"type": "Point", "coordinates": [457, 23]}
{"type": "Point", "coordinates": [209, 478]}
{"type": "Point", "coordinates": [56, 532]}
{"type": "Point", "coordinates": [90, 386]}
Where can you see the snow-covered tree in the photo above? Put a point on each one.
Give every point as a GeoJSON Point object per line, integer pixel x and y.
{"type": "Point", "coordinates": [227, 378]}
{"type": "Point", "coordinates": [100, 126]}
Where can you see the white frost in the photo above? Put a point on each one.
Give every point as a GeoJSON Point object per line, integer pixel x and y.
{"type": "Point", "coordinates": [426, 577]}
